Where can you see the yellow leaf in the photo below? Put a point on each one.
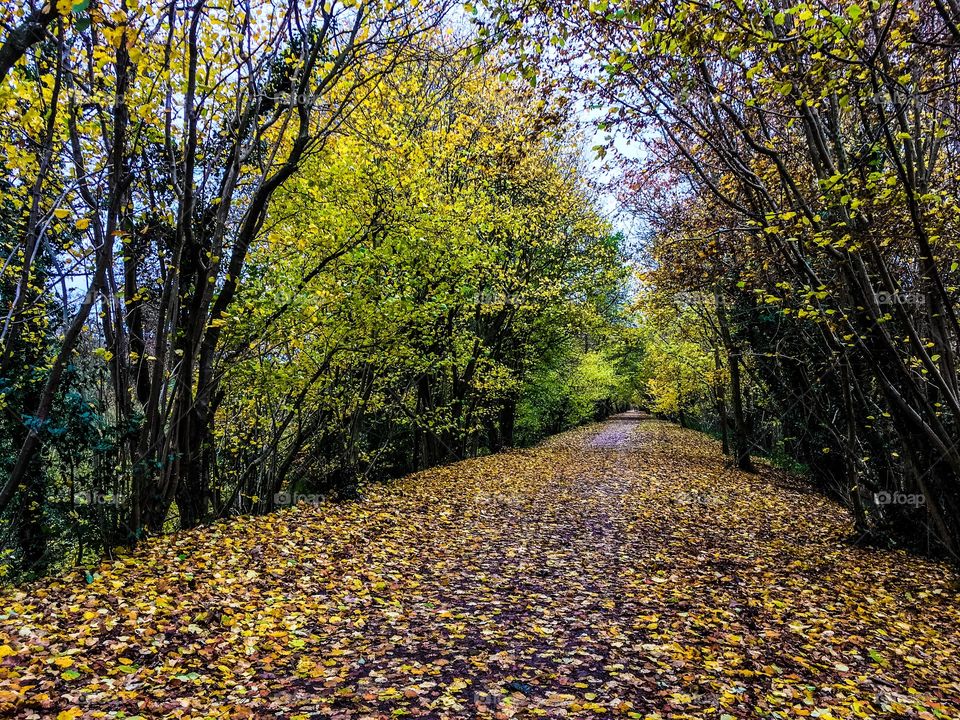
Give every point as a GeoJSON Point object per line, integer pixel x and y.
{"type": "Point", "coordinates": [457, 685]}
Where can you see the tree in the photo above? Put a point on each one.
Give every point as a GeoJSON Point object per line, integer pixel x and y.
{"type": "Point", "coordinates": [815, 146]}
{"type": "Point", "coordinates": [255, 248]}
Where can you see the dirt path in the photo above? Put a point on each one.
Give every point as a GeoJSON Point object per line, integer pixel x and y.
{"type": "Point", "coordinates": [618, 570]}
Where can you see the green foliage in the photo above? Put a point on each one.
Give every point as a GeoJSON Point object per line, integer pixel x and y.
{"type": "Point", "coordinates": [566, 388]}
{"type": "Point", "coordinates": [799, 166]}
{"type": "Point", "coordinates": [678, 369]}
{"type": "Point", "coordinates": [345, 289]}
{"type": "Point", "coordinates": [406, 290]}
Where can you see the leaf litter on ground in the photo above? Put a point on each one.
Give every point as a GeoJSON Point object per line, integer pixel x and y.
{"type": "Point", "coordinates": [618, 570]}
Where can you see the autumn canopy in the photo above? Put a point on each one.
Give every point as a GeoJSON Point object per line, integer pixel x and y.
{"type": "Point", "coordinates": [296, 294]}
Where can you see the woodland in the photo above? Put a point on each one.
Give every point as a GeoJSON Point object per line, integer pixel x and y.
{"type": "Point", "coordinates": [509, 358]}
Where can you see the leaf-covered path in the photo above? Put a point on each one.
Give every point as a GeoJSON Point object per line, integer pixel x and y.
{"type": "Point", "coordinates": [619, 570]}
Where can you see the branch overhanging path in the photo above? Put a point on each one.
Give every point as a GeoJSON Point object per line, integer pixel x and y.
{"type": "Point", "coordinates": [617, 570]}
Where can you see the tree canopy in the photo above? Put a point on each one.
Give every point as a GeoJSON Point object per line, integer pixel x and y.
{"type": "Point", "coordinates": [257, 250]}
{"type": "Point", "coordinates": [798, 181]}
{"type": "Point", "coordinates": [260, 248]}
